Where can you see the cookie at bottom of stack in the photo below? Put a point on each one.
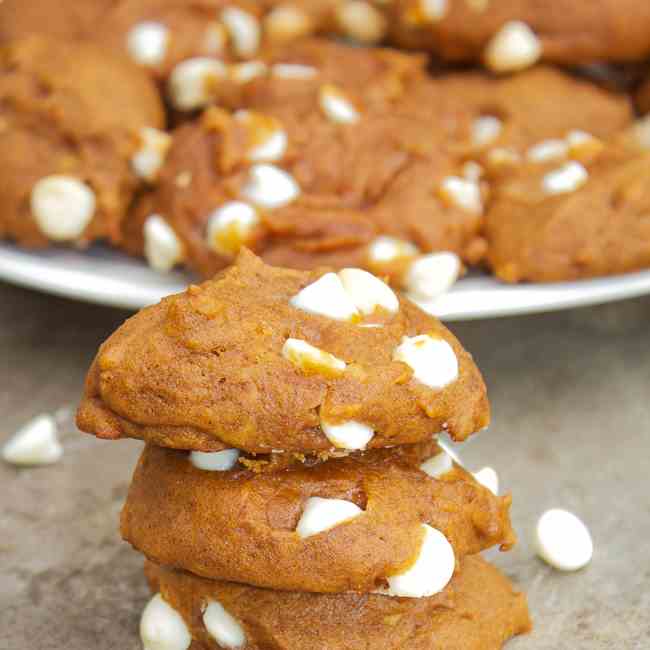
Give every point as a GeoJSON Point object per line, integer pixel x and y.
{"type": "Point", "coordinates": [479, 610]}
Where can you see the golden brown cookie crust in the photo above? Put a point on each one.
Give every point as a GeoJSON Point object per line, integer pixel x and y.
{"type": "Point", "coordinates": [210, 360]}
{"type": "Point", "coordinates": [479, 610]}
{"type": "Point", "coordinates": [70, 109]}
{"type": "Point", "coordinates": [248, 521]}
{"type": "Point", "coordinates": [600, 228]}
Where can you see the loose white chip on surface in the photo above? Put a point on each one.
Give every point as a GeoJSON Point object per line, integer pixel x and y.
{"type": "Point", "coordinates": [267, 135]}
{"type": "Point", "coordinates": [230, 226]}
{"type": "Point", "coordinates": [244, 30]}
{"type": "Point", "coordinates": [215, 461]}
{"type": "Point", "coordinates": [162, 248]}
{"type": "Point", "coordinates": [489, 479]}
{"type": "Point", "coordinates": [432, 360]}
{"type": "Point", "coordinates": [367, 291]}
{"type": "Point", "coordinates": [192, 82]}
{"type": "Point", "coordinates": [567, 178]}
{"type": "Point", "coordinates": [563, 541]}
{"type": "Point", "coordinates": [311, 359]}
{"type": "Point", "coordinates": [430, 573]}
{"type": "Point", "coordinates": [433, 10]}
{"type": "Point", "coordinates": [286, 23]}
{"type": "Point", "coordinates": [223, 627]}
{"type": "Point", "coordinates": [349, 435]}
{"type": "Point", "coordinates": [162, 627]}
{"type": "Point", "coordinates": [463, 194]}
{"type": "Point", "coordinates": [432, 275]}
{"type": "Point", "coordinates": [385, 249]}
{"type": "Point", "coordinates": [293, 71]}
{"type": "Point", "coordinates": [513, 47]}
{"type": "Point", "coordinates": [214, 39]}
{"type": "Point", "coordinates": [149, 158]}
{"type": "Point", "coordinates": [62, 206]}
{"type": "Point", "coordinates": [326, 297]}
{"type": "Point", "coordinates": [244, 72]}
{"type": "Point", "coordinates": [546, 150]}
{"type": "Point", "coordinates": [36, 443]}
{"type": "Point", "coordinates": [147, 43]}
{"type": "Point", "coordinates": [321, 514]}
{"type": "Point", "coordinates": [270, 187]}
{"type": "Point", "coordinates": [336, 106]}
{"type": "Point", "coordinates": [485, 130]}
{"type": "Point", "coordinates": [438, 465]}
{"type": "Point", "coordinates": [361, 21]}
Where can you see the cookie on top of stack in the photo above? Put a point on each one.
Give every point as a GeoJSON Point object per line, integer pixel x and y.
{"type": "Point", "coordinates": [291, 493]}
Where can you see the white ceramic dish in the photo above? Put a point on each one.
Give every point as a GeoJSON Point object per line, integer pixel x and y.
{"type": "Point", "coordinates": [107, 277]}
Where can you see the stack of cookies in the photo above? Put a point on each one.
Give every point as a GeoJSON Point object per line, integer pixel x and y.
{"type": "Point", "coordinates": [291, 494]}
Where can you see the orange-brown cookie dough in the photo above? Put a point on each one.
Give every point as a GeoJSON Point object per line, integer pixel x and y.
{"type": "Point", "coordinates": [62, 19]}
{"type": "Point", "coordinates": [511, 34]}
{"type": "Point", "coordinates": [251, 525]}
{"type": "Point", "coordinates": [213, 366]}
{"type": "Point", "coordinates": [572, 219]}
{"type": "Point", "coordinates": [480, 610]}
{"type": "Point", "coordinates": [72, 120]}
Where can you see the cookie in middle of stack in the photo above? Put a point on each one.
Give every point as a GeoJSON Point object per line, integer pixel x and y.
{"type": "Point", "coordinates": [290, 419]}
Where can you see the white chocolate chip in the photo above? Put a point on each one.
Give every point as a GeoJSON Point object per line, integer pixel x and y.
{"type": "Point", "coordinates": [326, 297]}
{"type": "Point", "coordinates": [266, 132]}
{"type": "Point", "coordinates": [230, 226]}
{"type": "Point", "coordinates": [361, 21]}
{"type": "Point", "coordinates": [581, 143]}
{"type": "Point", "coordinates": [368, 292]}
{"type": "Point", "coordinates": [489, 479]}
{"type": "Point", "coordinates": [433, 10]}
{"type": "Point", "coordinates": [293, 71]}
{"type": "Point", "coordinates": [36, 443]}
{"type": "Point", "coordinates": [349, 435]}
{"type": "Point", "coordinates": [567, 178]}
{"type": "Point", "coordinates": [485, 130]}
{"type": "Point", "coordinates": [162, 248]}
{"type": "Point", "coordinates": [285, 23]}
{"type": "Point", "coordinates": [62, 206]}
{"type": "Point", "coordinates": [336, 106]}
{"type": "Point", "coordinates": [502, 156]}
{"type": "Point", "coordinates": [149, 158]}
{"type": "Point", "coordinates": [162, 627]}
{"type": "Point", "coordinates": [311, 359]}
{"type": "Point", "coordinates": [546, 150]}
{"type": "Point", "coordinates": [223, 627]}
{"type": "Point", "coordinates": [215, 39]}
{"type": "Point", "coordinates": [244, 30]}
{"type": "Point", "coordinates": [430, 573]}
{"type": "Point", "coordinates": [242, 73]}
{"type": "Point", "coordinates": [563, 541]}
{"type": "Point", "coordinates": [147, 43]}
{"type": "Point", "coordinates": [513, 47]}
{"type": "Point", "coordinates": [432, 275]}
{"type": "Point", "coordinates": [270, 187]}
{"type": "Point", "coordinates": [384, 250]}
{"type": "Point", "coordinates": [320, 515]}
{"type": "Point", "coordinates": [432, 360]}
{"type": "Point", "coordinates": [215, 461]}
{"type": "Point", "coordinates": [192, 82]}
{"type": "Point", "coordinates": [463, 194]}
{"type": "Point", "coordinates": [438, 465]}
{"type": "Point", "coordinates": [472, 171]}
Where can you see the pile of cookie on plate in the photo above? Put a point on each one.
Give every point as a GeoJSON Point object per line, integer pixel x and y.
{"type": "Point", "coordinates": [293, 493]}
{"type": "Point", "coordinates": [497, 134]}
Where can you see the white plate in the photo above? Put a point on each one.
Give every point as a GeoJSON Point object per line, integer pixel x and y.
{"type": "Point", "coordinates": [107, 277]}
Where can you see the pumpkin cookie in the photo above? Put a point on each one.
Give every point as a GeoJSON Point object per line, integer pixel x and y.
{"type": "Point", "coordinates": [356, 523]}
{"type": "Point", "coordinates": [264, 358]}
{"type": "Point", "coordinates": [479, 610]}
{"type": "Point", "coordinates": [79, 130]}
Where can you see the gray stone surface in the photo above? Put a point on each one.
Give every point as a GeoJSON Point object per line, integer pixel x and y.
{"type": "Point", "coordinates": [571, 428]}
